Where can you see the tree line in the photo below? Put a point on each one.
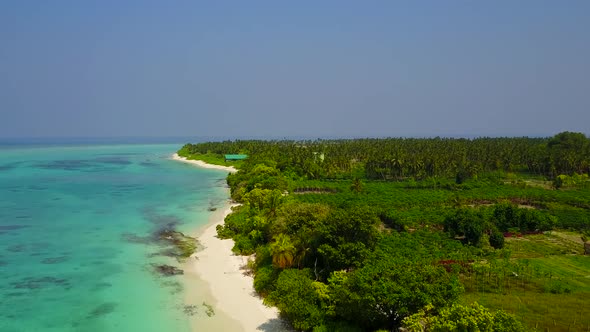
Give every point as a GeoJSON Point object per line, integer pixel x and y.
{"type": "Point", "coordinates": [566, 153]}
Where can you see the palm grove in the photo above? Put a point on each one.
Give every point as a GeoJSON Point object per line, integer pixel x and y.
{"type": "Point", "coordinates": [378, 234]}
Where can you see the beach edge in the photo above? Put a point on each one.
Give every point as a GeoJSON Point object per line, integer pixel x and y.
{"type": "Point", "coordinates": [202, 164]}
{"type": "Point", "coordinates": [217, 266]}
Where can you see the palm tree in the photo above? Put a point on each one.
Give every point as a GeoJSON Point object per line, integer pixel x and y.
{"type": "Point", "coordinates": [283, 251]}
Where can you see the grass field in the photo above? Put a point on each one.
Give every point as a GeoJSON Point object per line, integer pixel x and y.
{"type": "Point", "coordinates": [541, 311]}
{"type": "Point", "coordinates": [550, 287]}
{"type": "Point", "coordinates": [554, 243]}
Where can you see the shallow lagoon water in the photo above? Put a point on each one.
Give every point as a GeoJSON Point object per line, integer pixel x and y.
{"type": "Point", "coordinates": [74, 228]}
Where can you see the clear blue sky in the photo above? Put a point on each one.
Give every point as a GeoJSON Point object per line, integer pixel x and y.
{"type": "Point", "coordinates": [294, 68]}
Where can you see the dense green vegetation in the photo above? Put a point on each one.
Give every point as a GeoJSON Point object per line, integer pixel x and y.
{"type": "Point", "coordinates": [211, 158]}
{"type": "Point", "coordinates": [379, 234]}
{"type": "Point", "coordinates": [398, 158]}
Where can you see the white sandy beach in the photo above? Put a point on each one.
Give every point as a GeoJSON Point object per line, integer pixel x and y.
{"type": "Point", "coordinates": [232, 292]}
{"type": "Point", "coordinates": [231, 289]}
{"type": "Point", "coordinates": [203, 164]}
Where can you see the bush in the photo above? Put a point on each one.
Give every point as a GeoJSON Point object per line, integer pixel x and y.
{"type": "Point", "coordinates": [243, 245]}
{"type": "Point", "coordinates": [224, 232]}
{"type": "Point", "coordinates": [297, 300]}
{"type": "Point", "coordinates": [497, 239]}
{"type": "Point", "coordinates": [558, 287]}
{"type": "Point", "coordinates": [264, 280]}
{"type": "Point", "coordinates": [473, 317]}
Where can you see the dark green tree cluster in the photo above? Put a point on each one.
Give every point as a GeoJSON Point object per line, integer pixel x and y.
{"type": "Point", "coordinates": [508, 217]}
{"type": "Point", "coordinates": [567, 153]}
{"type": "Point", "coordinates": [471, 224]}
{"type": "Point", "coordinates": [458, 317]}
{"type": "Point", "coordinates": [467, 224]}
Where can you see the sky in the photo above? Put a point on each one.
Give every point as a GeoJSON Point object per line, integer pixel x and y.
{"type": "Point", "coordinates": [273, 69]}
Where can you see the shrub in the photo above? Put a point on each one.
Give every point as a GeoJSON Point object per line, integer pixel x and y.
{"type": "Point", "coordinates": [264, 280]}
{"type": "Point", "coordinates": [557, 287]}
{"type": "Point", "coordinates": [297, 300]}
{"type": "Point", "coordinates": [243, 245]}
{"type": "Point", "coordinates": [497, 239]}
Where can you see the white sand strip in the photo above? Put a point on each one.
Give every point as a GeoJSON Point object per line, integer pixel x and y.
{"type": "Point", "coordinates": [232, 290]}
{"type": "Point", "coordinates": [217, 266]}
{"type": "Point", "coordinates": [203, 164]}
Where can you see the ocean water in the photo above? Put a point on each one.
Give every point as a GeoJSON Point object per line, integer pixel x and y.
{"type": "Point", "coordinates": [75, 235]}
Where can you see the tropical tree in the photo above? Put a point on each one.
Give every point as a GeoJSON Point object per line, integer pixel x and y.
{"type": "Point", "coordinates": [458, 317]}
{"type": "Point", "coordinates": [282, 251]}
{"type": "Point", "coordinates": [384, 291]}
{"type": "Point", "coordinates": [298, 300]}
{"type": "Point", "coordinates": [466, 223]}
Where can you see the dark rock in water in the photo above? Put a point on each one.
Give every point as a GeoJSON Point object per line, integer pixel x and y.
{"type": "Point", "coordinates": [168, 270]}
{"type": "Point", "coordinates": [36, 187]}
{"type": "Point", "coordinates": [13, 227]}
{"type": "Point", "coordinates": [212, 208]}
{"type": "Point", "coordinates": [184, 244]}
{"type": "Point", "coordinates": [7, 167]}
{"type": "Point", "coordinates": [67, 165]}
{"type": "Point", "coordinates": [169, 252]}
{"type": "Point", "coordinates": [55, 260]}
{"type": "Point", "coordinates": [103, 309]}
{"type": "Point", "coordinates": [17, 248]}
{"type": "Point", "coordinates": [113, 160]}
{"type": "Point", "coordinates": [36, 283]}
{"type": "Point", "coordinates": [191, 310]}
{"type": "Point", "coordinates": [161, 221]}
{"type": "Point", "coordinates": [174, 286]}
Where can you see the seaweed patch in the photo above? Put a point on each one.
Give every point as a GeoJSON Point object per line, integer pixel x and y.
{"type": "Point", "coordinates": [37, 283]}
{"type": "Point", "coordinates": [55, 260]}
{"type": "Point", "coordinates": [103, 309]}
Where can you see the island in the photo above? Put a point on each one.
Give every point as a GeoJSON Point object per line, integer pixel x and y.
{"type": "Point", "coordinates": [430, 234]}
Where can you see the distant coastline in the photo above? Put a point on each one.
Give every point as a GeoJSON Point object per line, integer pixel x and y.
{"type": "Point", "coordinates": [203, 164]}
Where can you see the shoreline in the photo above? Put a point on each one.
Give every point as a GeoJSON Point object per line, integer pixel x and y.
{"type": "Point", "coordinates": [203, 164]}
{"type": "Point", "coordinates": [232, 291]}
{"type": "Point", "coordinates": [219, 269]}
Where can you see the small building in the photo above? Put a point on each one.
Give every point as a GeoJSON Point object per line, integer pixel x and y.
{"type": "Point", "coordinates": [235, 157]}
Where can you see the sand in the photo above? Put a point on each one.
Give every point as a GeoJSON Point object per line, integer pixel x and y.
{"type": "Point", "coordinates": [203, 164]}
{"type": "Point", "coordinates": [231, 290]}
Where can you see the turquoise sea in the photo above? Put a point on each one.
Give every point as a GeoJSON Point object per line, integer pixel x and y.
{"type": "Point", "coordinates": [75, 235]}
